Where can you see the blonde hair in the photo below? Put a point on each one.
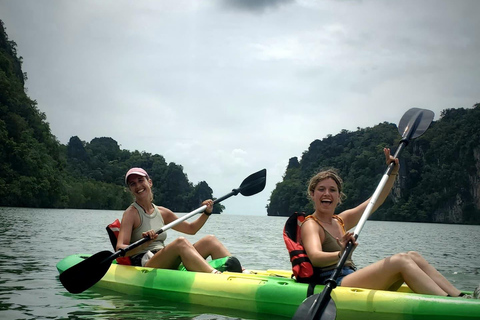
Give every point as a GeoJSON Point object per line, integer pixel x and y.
{"type": "Point", "coordinates": [325, 174]}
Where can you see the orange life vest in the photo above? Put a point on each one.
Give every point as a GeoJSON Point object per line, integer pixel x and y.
{"type": "Point", "coordinates": [302, 268]}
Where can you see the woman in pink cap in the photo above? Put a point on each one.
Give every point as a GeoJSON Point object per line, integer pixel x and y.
{"type": "Point", "coordinates": [143, 218]}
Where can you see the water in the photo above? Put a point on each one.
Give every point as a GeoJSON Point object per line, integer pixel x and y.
{"type": "Point", "coordinates": [34, 240]}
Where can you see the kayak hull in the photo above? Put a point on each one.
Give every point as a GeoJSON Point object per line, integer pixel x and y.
{"type": "Point", "coordinates": [274, 293]}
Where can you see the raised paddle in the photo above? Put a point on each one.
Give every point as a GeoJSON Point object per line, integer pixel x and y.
{"type": "Point", "coordinates": [85, 274]}
{"type": "Point", "coordinates": [321, 306]}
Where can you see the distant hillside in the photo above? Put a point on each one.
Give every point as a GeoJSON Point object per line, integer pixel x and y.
{"type": "Point", "coordinates": [37, 171]}
{"type": "Point", "coordinates": [439, 179]}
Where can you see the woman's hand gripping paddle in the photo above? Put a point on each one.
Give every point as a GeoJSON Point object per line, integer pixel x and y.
{"type": "Point", "coordinates": [85, 274]}
{"type": "Point", "coordinates": [321, 306]}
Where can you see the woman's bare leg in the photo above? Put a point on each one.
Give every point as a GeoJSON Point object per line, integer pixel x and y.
{"type": "Point", "coordinates": [433, 273]}
{"type": "Point", "coordinates": [211, 246]}
{"type": "Point", "coordinates": [180, 250]}
{"type": "Point", "coordinates": [387, 273]}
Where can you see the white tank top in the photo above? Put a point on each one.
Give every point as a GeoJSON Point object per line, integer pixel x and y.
{"type": "Point", "coordinates": [152, 221]}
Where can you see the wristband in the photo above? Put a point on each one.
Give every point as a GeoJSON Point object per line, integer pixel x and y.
{"type": "Point", "coordinates": [339, 254]}
{"type": "Point", "coordinates": [208, 214]}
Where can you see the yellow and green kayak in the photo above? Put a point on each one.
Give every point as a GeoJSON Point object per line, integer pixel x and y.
{"type": "Point", "coordinates": [273, 292]}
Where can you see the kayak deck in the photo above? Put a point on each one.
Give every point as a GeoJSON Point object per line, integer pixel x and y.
{"type": "Point", "coordinates": [273, 292]}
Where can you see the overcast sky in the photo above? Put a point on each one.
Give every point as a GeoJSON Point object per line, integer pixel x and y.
{"type": "Point", "coordinates": [226, 88]}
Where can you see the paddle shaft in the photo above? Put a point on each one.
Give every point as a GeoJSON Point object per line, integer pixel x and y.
{"type": "Point", "coordinates": [408, 133]}
{"type": "Point", "coordinates": [318, 307]}
{"type": "Point", "coordinates": [123, 251]}
{"type": "Point", "coordinates": [321, 302]}
{"type": "Point", "coordinates": [376, 194]}
{"type": "Point", "coordinates": [85, 274]}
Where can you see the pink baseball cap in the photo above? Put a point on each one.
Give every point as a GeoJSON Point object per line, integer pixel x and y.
{"type": "Point", "coordinates": [137, 171]}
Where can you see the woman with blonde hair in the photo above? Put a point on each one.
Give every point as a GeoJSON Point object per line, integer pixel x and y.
{"type": "Point", "coordinates": [324, 235]}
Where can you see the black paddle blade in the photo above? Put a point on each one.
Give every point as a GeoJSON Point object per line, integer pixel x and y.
{"type": "Point", "coordinates": [317, 307]}
{"type": "Point", "coordinates": [85, 274]}
{"type": "Point", "coordinates": [415, 122]}
{"type": "Point", "coordinates": [254, 183]}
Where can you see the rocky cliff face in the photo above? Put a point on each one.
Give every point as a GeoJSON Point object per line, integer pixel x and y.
{"type": "Point", "coordinates": [456, 209]}
{"type": "Point", "coordinates": [450, 213]}
{"type": "Point", "coordinates": [475, 179]}
{"type": "Point", "coordinates": [439, 179]}
{"type": "Point", "coordinates": [462, 202]}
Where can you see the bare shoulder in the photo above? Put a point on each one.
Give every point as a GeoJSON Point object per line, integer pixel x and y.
{"type": "Point", "coordinates": [130, 211]}
{"type": "Point", "coordinates": [164, 210]}
{"type": "Point", "coordinates": [167, 214]}
{"type": "Point", "coordinates": [312, 233]}
{"type": "Point", "coordinates": [130, 216]}
{"type": "Point", "coordinates": [311, 225]}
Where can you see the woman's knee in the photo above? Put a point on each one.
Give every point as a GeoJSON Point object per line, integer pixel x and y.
{"type": "Point", "coordinates": [418, 258]}
{"type": "Point", "coordinates": [209, 240]}
{"type": "Point", "coordinates": [400, 256]}
{"type": "Point", "coordinates": [414, 255]}
{"type": "Point", "coordinates": [403, 259]}
{"type": "Point", "coordinates": [181, 243]}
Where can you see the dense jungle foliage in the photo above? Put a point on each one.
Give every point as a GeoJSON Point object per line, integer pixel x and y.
{"type": "Point", "coordinates": [38, 171]}
{"type": "Point", "coordinates": [439, 179]}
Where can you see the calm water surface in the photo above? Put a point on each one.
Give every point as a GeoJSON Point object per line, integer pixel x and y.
{"type": "Point", "coordinates": [34, 240]}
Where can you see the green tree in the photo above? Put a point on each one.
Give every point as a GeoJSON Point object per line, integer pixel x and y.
{"type": "Point", "coordinates": [439, 175]}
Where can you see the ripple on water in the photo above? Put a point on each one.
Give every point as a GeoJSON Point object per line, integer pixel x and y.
{"type": "Point", "coordinates": [30, 289]}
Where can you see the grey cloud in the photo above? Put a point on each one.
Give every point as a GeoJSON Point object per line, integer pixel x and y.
{"type": "Point", "coordinates": [228, 92]}
{"type": "Point", "coordinates": [255, 5]}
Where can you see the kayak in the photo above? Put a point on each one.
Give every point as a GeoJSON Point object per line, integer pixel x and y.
{"type": "Point", "coordinates": [273, 292]}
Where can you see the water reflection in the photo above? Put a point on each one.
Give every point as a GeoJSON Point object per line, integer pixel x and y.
{"type": "Point", "coordinates": [105, 304]}
{"type": "Point", "coordinates": [34, 240]}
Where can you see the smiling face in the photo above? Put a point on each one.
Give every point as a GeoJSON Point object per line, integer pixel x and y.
{"type": "Point", "coordinates": [326, 195]}
{"type": "Point", "coordinates": [325, 189]}
{"type": "Point", "coordinates": [140, 186]}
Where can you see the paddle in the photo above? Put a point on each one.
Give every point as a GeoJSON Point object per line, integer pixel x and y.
{"type": "Point", "coordinates": [321, 306]}
{"type": "Point", "coordinates": [85, 274]}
